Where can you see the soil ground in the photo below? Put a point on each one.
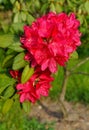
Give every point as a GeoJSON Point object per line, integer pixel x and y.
{"type": "Point", "coordinates": [48, 111]}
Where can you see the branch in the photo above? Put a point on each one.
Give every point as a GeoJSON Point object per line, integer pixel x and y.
{"type": "Point", "coordinates": [62, 95]}
{"type": "Point", "coordinates": [64, 84]}
{"type": "Point", "coordinates": [83, 73]}
{"type": "Point", "coordinates": [67, 73]}
{"type": "Point", "coordinates": [80, 63]}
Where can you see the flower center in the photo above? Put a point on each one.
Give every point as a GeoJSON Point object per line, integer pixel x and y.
{"type": "Point", "coordinates": [35, 82]}
{"type": "Point", "coordinates": [47, 40]}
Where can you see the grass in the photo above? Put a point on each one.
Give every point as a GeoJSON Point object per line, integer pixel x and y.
{"type": "Point", "coordinates": [34, 124]}
{"type": "Point", "coordinates": [28, 124]}
{"type": "Point", "coordinates": [16, 119]}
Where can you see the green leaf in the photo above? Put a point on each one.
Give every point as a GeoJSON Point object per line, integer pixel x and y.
{"type": "Point", "coordinates": [2, 52]}
{"type": "Point", "coordinates": [8, 59]}
{"type": "Point", "coordinates": [5, 27]}
{"type": "Point", "coordinates": [77, 1]}
{"type": "Point", "coordinates": [16, 18]}
{"type": "Point", "coordinates": [44, 8]}
{"type": "Point", "coordinates": [6, 40]}
{"type": "Point", "coordinates": [10, 52]}
{"type": "Point", "coordinates": [58, 8]}
{"type": "Point", "coordinates": [26, 106]}
{"type": "Point", "coordinates": [5, 81]}
{"type": "Point", "coordinates": [23, 16]}
{"type": "Point", "coordinates": [37, 4]}
{"type": "Point", "coordinates": [7, 105]}
{"type": "Point", "coordinates": [52, 7]}
{"type": "Point", "coordinates": [16, 96]}
{"type": "Point", "coordinates": [12, 1]}
{"type": "Point", "coordinates": [30, 18]}
{"type": "Point", "coordinates": [87, 6]}
{"type": "Point", "coordinates": [9, 92]}
{"type": "Point", "coordinates": [2, 89]}
{"type": "Point", "coordinates": [16, 47]}
{"type": "Point", "coordinates": [26, 74]}
{"type": "Point", "coordinates": [2, 56]}
{"type": "Point", "coordinates": [15, 27]}
{"type": "Point", "coordinates": [70, 3]}
{"type": "Point", "coordinates": [19, 61]}
{"type": "Point", "coordinates": [74, 55]}
{"type": "Point", "coordinates": [81, 18]}
{"type": "Point", "coordinates": [17, 5]}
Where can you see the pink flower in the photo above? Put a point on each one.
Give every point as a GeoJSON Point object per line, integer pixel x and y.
{"type": "Point", "coordinates": [38, 85]}
{"type": "Point", "coordinates": [29, 57]}
{"type": "Point", "coordinates": [51, 39]}
{"type": "Point", "coordinates": [27, 92]}
{"type": "Point", "coordinates": [15, 74]}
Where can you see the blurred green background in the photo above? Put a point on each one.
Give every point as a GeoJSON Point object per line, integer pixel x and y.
{"type": "Point", "coordinates": [14, 14]}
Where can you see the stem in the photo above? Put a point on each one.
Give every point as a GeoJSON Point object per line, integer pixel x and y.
{"type": "Point", "coordinates": [80, 63]}
{"type": "Point", "coordinates": [62, 95]}
{"type": "Point", "coordinates": [82, 73]}
{"type": "Point", "coordinates": [64, 85]}
{"type": "Point", "coordinates": [67, 73]}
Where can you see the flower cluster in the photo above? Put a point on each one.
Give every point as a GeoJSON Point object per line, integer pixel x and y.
{"type": "Point", "coordinates": [48, 42]}
{"type": "Point", "coordinates": [51, 39]}
{"type": "Point", "coordinates": [38, 85]}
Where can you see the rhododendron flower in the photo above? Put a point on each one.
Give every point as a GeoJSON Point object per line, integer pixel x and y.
{"type": "Point", "coordinates": [16, 74]}
{"type": "Point", "coordinates": [29, 57]}
{"type": "Point", "coordinates": [38, 85]}
{"type": "Point", "coordinates": [51, 39]}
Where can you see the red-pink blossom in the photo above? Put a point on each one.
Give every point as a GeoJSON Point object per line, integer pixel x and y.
{"type": "Point", "coordinates": [15, 74]}
{"type": "Point", "coordinates": [51, 39]}
{"type": "Point", "coordinates": [38, 85]}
